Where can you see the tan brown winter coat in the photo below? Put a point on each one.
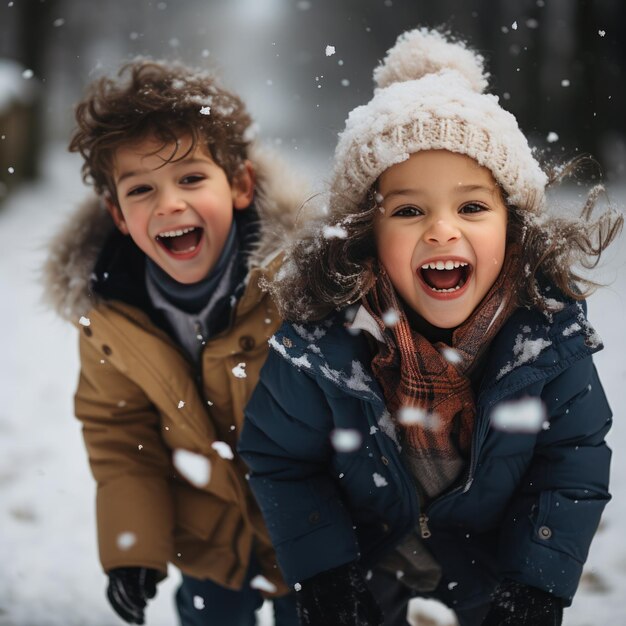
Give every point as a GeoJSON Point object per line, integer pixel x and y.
{"type": "Point", "coordinates": [139, 399]}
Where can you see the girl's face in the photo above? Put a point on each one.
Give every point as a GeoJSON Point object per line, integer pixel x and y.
{"type": "Point", "coordinates": [441, 233]}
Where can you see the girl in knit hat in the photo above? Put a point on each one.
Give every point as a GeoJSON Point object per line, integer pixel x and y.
{"type": "Point", "coordinates": [430, 422]}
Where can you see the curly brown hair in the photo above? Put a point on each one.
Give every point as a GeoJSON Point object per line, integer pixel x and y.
{"type": "Point", "coordinates": [165, 101]}
{"type": "Point", "coordinates": [326, 270]}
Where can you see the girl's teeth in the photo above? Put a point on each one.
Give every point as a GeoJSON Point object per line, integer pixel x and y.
{"type": "Point", "coordinates": [446, 290]}
{"type": "Point", "coordinates": [443, 265]}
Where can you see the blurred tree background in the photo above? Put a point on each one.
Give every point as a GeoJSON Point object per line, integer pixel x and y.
{"type": "Point", "coordinates": [558, 65]}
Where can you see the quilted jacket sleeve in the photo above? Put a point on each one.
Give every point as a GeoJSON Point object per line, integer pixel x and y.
{"type": "Point", "coordinates": [285, 442]}
{"type": "Point", "coordinates": [129, 462]}
{"type": "Point", "coordinates": [551, 521]}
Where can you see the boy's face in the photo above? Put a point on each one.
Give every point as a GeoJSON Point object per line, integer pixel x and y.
{"type": "Point", "coordinates": [179, 213]}
{"type": "Point", "coordinates": [442, 235]}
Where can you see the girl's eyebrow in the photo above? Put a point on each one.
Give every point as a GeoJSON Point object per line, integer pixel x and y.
{"type": "Point", "coordinates": [466, 188]}
{"type": "Point", "coordinates": [401, 192]}
{"type": "Point", "coordinates": [460, 188]}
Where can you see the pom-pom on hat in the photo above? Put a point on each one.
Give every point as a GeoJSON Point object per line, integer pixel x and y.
{"type": "Point", "coordinates": [430, 96]}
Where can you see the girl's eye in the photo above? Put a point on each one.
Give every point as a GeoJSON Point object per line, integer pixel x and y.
{"type": "Point", "coordinates": [407, 211]}
{"type": "Point", "coordinates": [138, 191]}
{"type": "Point", "coordinates": [473, 208]}
{"type": "Point", "coordinates": [191, 179]}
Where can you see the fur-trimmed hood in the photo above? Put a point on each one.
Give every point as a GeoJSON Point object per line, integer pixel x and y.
{"type": "Point", "coordinates": [74, 250]}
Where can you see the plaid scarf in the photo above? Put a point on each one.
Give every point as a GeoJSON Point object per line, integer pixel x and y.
{"type": "Point", "coordinates": [433, 379]}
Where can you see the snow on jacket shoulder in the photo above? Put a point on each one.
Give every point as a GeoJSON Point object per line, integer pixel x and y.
{"type": "Point", "coordinates": [527, 507]}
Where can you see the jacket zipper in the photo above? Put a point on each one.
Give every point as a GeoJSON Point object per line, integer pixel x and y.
{"type": "Point", "coordinates": [423, 523]}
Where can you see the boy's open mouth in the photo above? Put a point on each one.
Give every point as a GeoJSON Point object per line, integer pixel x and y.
{"type": "Point", "coordinates": [180, 241]}
{"type": "Point", "coordinates": [445, 276]}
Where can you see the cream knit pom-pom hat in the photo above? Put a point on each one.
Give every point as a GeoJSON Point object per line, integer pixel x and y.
{"type": "Point", "coordinates": [430, 97]}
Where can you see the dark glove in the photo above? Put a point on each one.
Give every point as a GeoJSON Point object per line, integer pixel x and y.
{"type": "Point", "coordinates": [515, 604]}
{"type": "Point", "coordinates": [128, 590]}
{"type": "Point", "coordinates": [338, 597]}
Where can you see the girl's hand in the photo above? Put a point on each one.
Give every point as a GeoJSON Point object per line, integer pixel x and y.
{"type": "Point", "coordinates": [516, 604]}
{"type": "Point", "coordinates": [338, 597]}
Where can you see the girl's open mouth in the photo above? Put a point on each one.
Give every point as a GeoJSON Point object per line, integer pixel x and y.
{"type": "Point", "coordinates": [445, 277]}
{"type": "Point", "coordinates": [181, 242]}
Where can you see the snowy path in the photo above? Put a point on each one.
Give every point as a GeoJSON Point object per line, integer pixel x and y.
{"type": "Point", "coordinates": [50, 574]}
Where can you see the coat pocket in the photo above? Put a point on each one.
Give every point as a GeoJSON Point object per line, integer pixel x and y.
{"type": "Point", "coordinates": [204, 515]}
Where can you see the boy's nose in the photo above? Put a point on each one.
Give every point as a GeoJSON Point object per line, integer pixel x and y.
{"type": "Point", "coordinates": [170, 202]}
{"type": "Point", "coordinates": [442, 231]}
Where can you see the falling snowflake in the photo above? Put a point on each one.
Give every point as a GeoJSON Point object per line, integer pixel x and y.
{"type": "Point", "coordinates": [345, 439]}
{"type": "Point", "coordinates": [84, 321]}
{"type": "Point", "coordinates": [552, 137]}
{"type": "Point", "coordinates": [239, 371]}
{"type": "Point", "coordinates": [181, 404]}
{"type": "Point", "coordinates": [330, 50]}
{"type": "Point", "coordinates": [205, 110]}
{"type": "Point", "coordinates": [126, 540]}
{"type": "Point", "coordinates": [413, 415]}
{"type": "Point", "coordinates": [391, 317]}
{"type": "Point", "coordinates": [194, 467]}
{"type": "Point", "coordinates": [262, 584]}
{"type": "Point", "coordinates": [379, 480]}
{"type": "Point", "coordinates": [198, 603]}
{"type": "Point", "coordinates": [451, 355]}
{"type": "Point", "coordinates": [223, 449]}
{"type": "Point", "coordinates": [521, 416]}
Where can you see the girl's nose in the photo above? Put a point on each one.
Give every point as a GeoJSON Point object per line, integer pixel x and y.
{"type": "Point", "coordinates": [441, 232]}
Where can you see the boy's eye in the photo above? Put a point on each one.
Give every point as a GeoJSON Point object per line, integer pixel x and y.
{"type": "Point", "coordinates": [191, 178]}
{"type": "Point", "coordinates": [137, 191]}
{"type": "Point", "coordinates": [473, 208]}
{"type": "Point", "coordinates": [407, 211]}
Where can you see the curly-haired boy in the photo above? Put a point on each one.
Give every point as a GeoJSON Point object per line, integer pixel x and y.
{"type": "Point", "coordinates": [173, 333]}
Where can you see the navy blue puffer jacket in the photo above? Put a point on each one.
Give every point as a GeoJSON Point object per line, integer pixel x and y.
{"type": "Point", "coordinates": [527, 507]}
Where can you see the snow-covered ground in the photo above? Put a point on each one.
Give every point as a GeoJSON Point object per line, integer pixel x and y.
{"type": "Point", "coordinates": [49, 572]}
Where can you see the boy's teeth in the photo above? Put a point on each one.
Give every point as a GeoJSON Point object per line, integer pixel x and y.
{"type": "Point", "coordinates": [443, 265]}
{"type": "Point", "coordinates": [176, 233]}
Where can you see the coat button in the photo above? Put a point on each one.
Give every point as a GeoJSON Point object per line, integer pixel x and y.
{"type": "Point", "coordinates": [384, 527]}
{"type": "Point", "coordinates": [287, 342]}
{"type": "Point", "coordinates": [385, 460]}
{"type": "Point", "coordinates": [247, 343]}
{"type": "Point", "coordinates": [107, 350]}
{"type": "Point", "coordinates": [544, 532]}
{"type": "Point", "coordinates": [314, 518]}
{"type": "Point", "coordinates": [88, 332]}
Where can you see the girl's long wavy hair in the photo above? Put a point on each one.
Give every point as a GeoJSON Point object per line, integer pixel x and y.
{"type": "Point", "coordinates": [332, 261]}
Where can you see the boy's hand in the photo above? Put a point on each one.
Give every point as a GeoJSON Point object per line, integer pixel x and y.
{"type": "Point", "coordinates": [128, 590]}
{"type": "Point", "coordinates": [516, 604]}
{"type": "Point", "coordinates": [338, 597]}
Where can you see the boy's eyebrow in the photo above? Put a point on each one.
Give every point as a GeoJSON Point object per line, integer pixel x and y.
{"type": "Point", "coordinates": [132, 173]}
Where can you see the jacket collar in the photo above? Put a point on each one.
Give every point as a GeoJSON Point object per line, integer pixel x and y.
{"type": "Point", "coordinates": [530, 346]}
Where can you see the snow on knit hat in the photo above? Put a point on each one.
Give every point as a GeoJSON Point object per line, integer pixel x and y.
{"type": "Point", "coordinates": [430, 97]}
